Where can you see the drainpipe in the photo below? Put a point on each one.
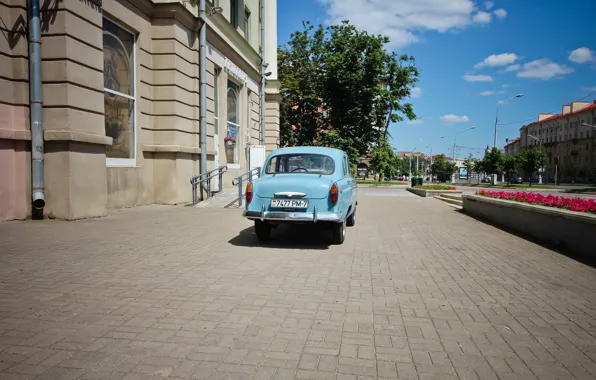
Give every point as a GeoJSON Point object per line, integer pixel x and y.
{"type": "Point", "coordinates": [36, 111]}
{"type": "Point", "coordinates": [203, 83]}
{"type": "Point", "coordinates": [262, 10]}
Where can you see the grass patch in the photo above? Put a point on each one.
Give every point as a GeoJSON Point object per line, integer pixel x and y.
{"type": "Point", "coordinates": [589, 190]}
{"type": "Point", "coordinates": [511, 186]}
{"type": "Point", "coordinates": [377, 183]}
{"type": "Point", "coordinates": [435, 187]}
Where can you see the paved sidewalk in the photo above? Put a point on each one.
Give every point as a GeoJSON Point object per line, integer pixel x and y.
{"type": "Point", "coordinates": [418, 291]}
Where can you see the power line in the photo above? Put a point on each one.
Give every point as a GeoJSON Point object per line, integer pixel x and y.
{"type": "Point", "coordinates": [534, 118]}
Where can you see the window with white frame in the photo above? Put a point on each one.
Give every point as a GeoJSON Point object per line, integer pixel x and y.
{"type": "Point", "coordinates": [119, 93]}
{"type": "Point", "coordinates": [233, 123]}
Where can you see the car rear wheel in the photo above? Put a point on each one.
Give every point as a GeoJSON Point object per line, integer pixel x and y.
{"type": "Point", "coordinates": [339, 232]}
{"type": "Point", "coordinates": [351, 222]}
{"type": "Point", "coordinates": [262, 230]}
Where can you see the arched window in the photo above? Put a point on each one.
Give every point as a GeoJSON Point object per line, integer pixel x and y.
{"type": "Point", "coordinates": [119, 93]}
{"type": "Point", "coordinates": [233, 123]}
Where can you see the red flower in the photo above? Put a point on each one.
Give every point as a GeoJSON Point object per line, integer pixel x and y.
{"type": "Point", "coordinates": [573, 204]}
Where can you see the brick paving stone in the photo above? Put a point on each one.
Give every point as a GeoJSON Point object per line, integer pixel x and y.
{"type": "Point", "coordinates": [417, 291]}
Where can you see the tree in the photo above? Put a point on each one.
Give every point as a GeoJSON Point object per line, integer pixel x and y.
{"type": "Point", "coordinates": [509, 165]}
{"type": "Point", "coordinates": [383, 160]}
{"type": "Point", "coordinates": [493, 161]}
{"type": "Point", "coordinates": [530, 160]}
{"type": "Point", "coordinates": [478, 168]}
{"type": "Point", "coordinates": [442, 169]}
{"type": "Point", "coordinates": [341, 88]}
{"type": "Point", "coordinates": [469, 165]}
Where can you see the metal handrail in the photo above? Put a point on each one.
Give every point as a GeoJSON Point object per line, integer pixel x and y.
{"type": "Point", "coordinates": [204, 180]}
{"type": "Point", "coordinates": [238, 181]}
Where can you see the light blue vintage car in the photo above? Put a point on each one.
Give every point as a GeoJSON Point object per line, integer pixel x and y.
{"type": "Point", "coordinates": [303, 185]}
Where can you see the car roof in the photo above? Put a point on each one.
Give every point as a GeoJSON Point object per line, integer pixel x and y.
{"type": "Point", "coordinates": [332, 152]}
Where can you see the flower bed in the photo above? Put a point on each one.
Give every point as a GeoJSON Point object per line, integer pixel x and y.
{"type": "Point", "coordinates": [572, 204]}
{"type": "Point", "coordinates": [435, 187]}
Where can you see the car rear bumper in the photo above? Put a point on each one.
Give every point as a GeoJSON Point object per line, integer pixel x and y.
{"type": "Point", "coordinates": [293, 216]}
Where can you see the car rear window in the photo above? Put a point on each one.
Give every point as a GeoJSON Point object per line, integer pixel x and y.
{"type": "Point", "coordinates": [301, 163]}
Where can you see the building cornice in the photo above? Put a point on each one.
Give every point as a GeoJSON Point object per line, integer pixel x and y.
{"type": "Point", "coordinates": [220, 32]}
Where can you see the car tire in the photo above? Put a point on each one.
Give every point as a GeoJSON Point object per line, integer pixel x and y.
{"type": "Point", "coordinates": [262, 230]}
{"type": "Point", "coordinates": [339, 232]}
{"type": "Point", "coordinates": [351, 222]}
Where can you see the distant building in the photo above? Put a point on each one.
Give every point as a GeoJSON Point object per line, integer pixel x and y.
{"type": "Point", "coordinates": [568, 139]}
{"type": "Point", "coordinates": [513, 147]}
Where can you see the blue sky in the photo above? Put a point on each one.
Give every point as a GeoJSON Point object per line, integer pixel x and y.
{"type": "Point", "coordinates": [471, 54]}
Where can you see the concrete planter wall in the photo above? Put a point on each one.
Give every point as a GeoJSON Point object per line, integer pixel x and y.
{"type": "Point", "coordinates": [568, 229]}
{"type": "Point", "coordinates": [431, 193]}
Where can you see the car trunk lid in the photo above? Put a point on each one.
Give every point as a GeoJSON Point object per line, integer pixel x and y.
{"type": "Point", "coordinates": [313, 186]}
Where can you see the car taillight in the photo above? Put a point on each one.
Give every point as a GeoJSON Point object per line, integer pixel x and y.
{"type": "Point", "coordinates": [334, 194]}
{"type": "Point", "coordinates": [248, 192]}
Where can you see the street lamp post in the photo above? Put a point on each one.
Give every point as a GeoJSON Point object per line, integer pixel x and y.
{"type": "Point", "coordinates": [540, 145]}
{"type": "Point", "coordinates": [497, 122]}
{"type": "Point", "coordinates": [454, 142]}
{"type": "Point", "coordinates": [431, 158]}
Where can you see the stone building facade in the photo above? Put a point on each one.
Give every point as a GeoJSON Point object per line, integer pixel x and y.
{"type": "Point", "coordinates": [121, 100]}
{"type": "Point", "coordinates": [569, 141]}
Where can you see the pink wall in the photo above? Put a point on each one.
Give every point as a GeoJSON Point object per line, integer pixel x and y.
{"type": "Point", "coordinates": [14, 163]}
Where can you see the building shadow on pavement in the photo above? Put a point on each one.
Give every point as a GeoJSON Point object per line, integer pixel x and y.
{"type": "Point", "coordinates": [560, 249]}
{"type": "Point", "coordinates": [287, 237]}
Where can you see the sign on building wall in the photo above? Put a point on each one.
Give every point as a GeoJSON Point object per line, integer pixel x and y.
{"type": "Point", "coordinates": [235, 71]}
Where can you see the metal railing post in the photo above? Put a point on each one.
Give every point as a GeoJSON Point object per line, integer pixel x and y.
{"type": "Point", "coordinates": [240, 191]}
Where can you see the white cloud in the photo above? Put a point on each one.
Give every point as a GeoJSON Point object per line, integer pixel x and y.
{"type": "Point", "coordinates": [543, 69]}
{"type": "Point", "coordinates": [477, 78]}
{"type": "Point", "coordinates": [488, 5]}
{"type": "Point", "coordinates": [415, 92]}
{"type": "Point", "coordinates": [415, 121]}
{"type": "Point", "coordinates": [505, 85]}
{"type": "Point", "coordinates": [404, 21]}
{"type": "Point", "coordinates": [482, 17]}
{"type": "Point", "coordinates": [452, 119]}
{"type": "Point", "coordinates": [489, 93]}
{"type": "Point", "coordinates": [494, 60]}
{"type": "Point", "coordinates": [500, 13]}
{"type": "Point", "coordinates": [589, 89]}
{"type": "Point", "coordinates": [582, 55]}
{"type": "Point", "coordinates": [515, 67]}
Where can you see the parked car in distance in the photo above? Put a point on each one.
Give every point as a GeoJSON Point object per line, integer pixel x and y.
{"type": "Point", "coordinates": [303, 185]}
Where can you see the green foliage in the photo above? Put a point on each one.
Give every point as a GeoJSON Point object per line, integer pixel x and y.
{"type": "Point", "coordinates": [340, 88]}
{"type": "Point", "coordinates": [492, 162]}
{"type": "Point", "coordinates": [442, 169]}
{"type": "Point", "coordinates": [478, 168]}
{"type": "Point", "coordinates": [510, 164]}
{"type": "Point", "coordinates": [384, 161]}
{"type": "Point", "coordinates": [530, 160]}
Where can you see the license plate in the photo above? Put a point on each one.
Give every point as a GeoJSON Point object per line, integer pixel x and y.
{"type": "Point", "coordinates": [289, 203]}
